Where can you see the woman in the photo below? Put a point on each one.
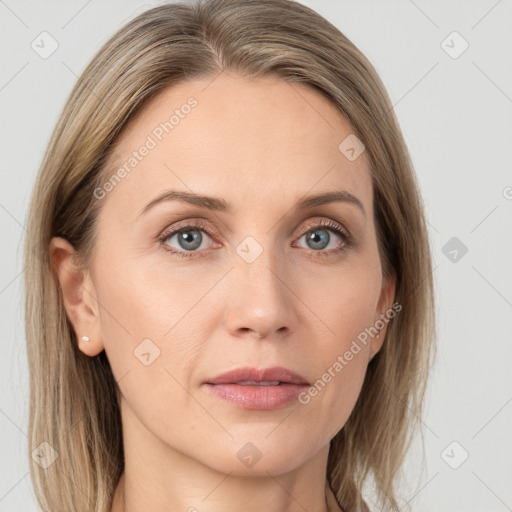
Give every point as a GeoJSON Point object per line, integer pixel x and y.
{"type": "Point", "coordinates": [232, 305]}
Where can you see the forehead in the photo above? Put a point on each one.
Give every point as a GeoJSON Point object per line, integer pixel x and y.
{"type": "Point", "coordinates": [256, 139]}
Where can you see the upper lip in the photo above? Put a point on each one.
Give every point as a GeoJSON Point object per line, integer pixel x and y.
{"type": "Point", "coordinates": [276, 373]}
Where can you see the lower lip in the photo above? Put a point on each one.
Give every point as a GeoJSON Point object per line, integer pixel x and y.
{"type": "Point", "coordinates": [261, 398]}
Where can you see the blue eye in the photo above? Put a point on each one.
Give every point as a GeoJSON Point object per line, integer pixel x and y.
{"type": "Point", "coordinates": [318, 237]}
{"type": "Point", "coordinates": [189, 238]}
{"type": "Point", "coordinates": [318, 241]}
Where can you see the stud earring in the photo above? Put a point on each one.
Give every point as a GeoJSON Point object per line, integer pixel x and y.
{"type": "Point", "coordinates": [85, 338]}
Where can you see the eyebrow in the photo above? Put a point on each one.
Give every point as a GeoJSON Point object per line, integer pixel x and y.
{"type": "Point", "coordinates": [217, 204]}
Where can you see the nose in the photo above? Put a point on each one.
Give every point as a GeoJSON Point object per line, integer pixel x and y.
{"type": "Point", "coordinates": [260, 300]}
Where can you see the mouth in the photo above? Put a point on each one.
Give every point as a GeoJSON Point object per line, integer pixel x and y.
{"type": "Point", "coordinates": [258, 389]}
{"type": "Point", "coordinates": [256, 383]}
{"type": "Point", "coordinates": [254, 376]}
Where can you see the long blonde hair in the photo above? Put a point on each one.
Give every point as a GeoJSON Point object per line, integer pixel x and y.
{"type": "Point", "coordinates": [74, 399]}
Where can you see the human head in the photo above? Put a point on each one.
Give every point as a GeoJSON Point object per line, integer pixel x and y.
{"type": "Point", "coordinates": [160, 50]}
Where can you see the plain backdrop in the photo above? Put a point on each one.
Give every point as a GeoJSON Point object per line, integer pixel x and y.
{"type": "Point", "coordinates": [447, 67]}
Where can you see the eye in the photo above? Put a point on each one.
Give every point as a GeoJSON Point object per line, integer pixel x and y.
{"type": "Point", "coordinates": [187, 240]}
{"type": "Point", "coordinates": [318, 237]}
{"type": "Point", "coordinates": [190, 239]}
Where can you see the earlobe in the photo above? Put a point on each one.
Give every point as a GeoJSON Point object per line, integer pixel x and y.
{"type": "Point", "coordinates": [78, 295]}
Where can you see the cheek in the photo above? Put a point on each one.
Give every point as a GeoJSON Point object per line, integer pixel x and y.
{"type": "Point", "coordinates": [346, 303]}
{"type": "Point", "coordinates": [340, 367]}
{"type": "Point", "coordinates": [147, 324]}
{"type": "Point", "coordinates": [345, 298]}
{"type": "Point", "coordinates": [147, 313]}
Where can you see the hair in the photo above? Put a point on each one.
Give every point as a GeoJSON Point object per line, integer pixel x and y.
{"type": "Point", "coordinates": [74, 399]}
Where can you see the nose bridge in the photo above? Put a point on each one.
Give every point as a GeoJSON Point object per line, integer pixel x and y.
{"type": "Point", "coordinates": [258, 266]}
{"type": "Point", "coordinates": [259, 300]}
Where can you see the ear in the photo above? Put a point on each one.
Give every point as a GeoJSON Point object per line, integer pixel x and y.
{"type": "Point", "coordinates": [79, 295]}
{"type": "Point", "coordinates": [385, 302]}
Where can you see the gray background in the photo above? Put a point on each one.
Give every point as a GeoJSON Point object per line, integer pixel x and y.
{"type": "Point", "coordinates": [456, 117]}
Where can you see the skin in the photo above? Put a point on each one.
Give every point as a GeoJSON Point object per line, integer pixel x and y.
{"type": "Point", "coordinates": [260, 145]}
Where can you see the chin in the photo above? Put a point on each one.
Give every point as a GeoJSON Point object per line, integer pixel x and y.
{"type": "Point", "coordinates": [259, 455]}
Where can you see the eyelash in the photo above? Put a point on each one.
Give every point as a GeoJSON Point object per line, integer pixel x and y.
{"type": "Point", "coordinates": [197, 224]}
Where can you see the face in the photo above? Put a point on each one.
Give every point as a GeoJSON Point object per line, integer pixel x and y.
{"type": "Point", "coordinates": [186, 289]}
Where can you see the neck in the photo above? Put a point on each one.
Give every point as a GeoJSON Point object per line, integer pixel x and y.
{"type": "Point", "coordinates": [130, 499]}
{"type": "Point", "coordinates": [158, 477]}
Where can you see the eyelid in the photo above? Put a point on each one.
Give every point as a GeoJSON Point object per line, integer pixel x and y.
{"type": "Point", "coordinates": [183, 225]}
{"type": "Point", "coordinates": [328, 223]}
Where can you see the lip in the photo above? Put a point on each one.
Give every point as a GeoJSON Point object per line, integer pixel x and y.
{"type": "Point", "coordinates": [258, 389]}
{"type": "Point", "coordinates": [276, 373]}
